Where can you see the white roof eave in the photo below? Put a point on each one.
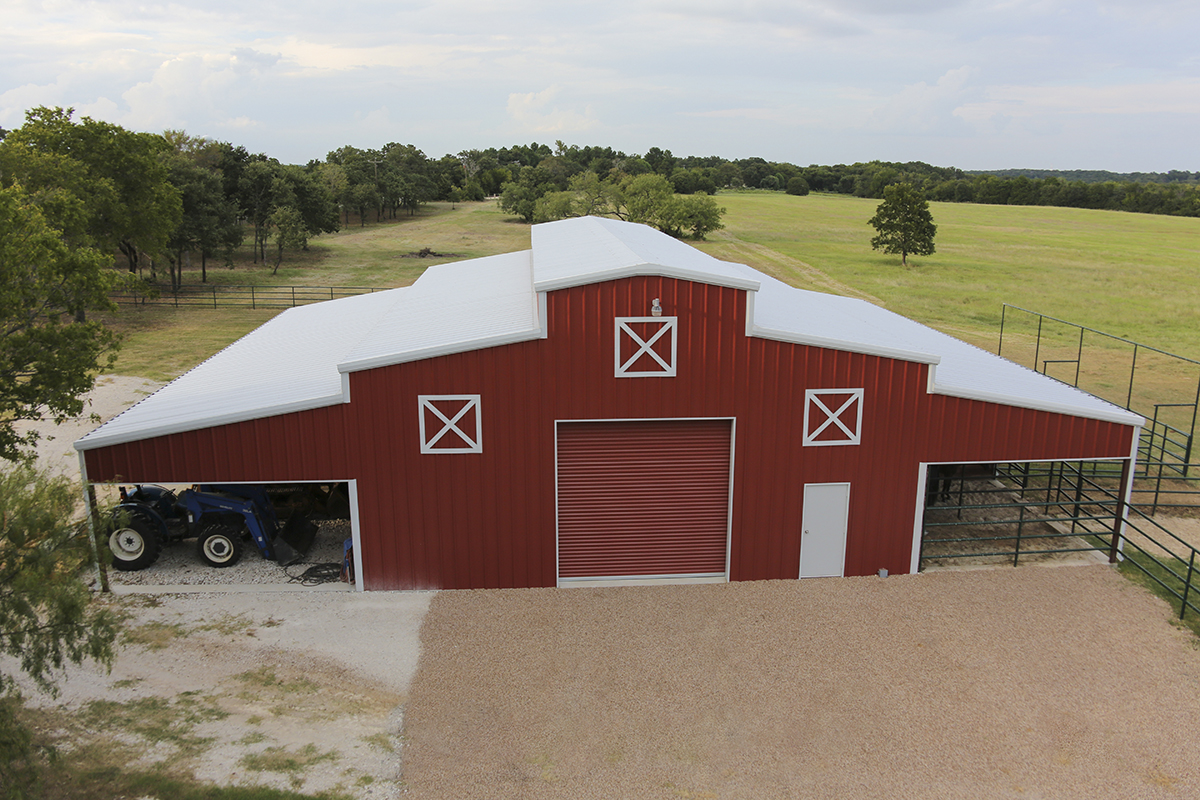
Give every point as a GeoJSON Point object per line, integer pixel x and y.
{"type": "Point", "coordinates": [845, 346]}
{"type": "Point", "coordinates": [1114, 414]}
{"type": "Point", "coordinates": [463, 346]}
{"type": "Point", "coordinates": [98, 438]}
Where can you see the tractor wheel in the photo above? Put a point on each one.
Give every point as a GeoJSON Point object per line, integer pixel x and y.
{"type": "Point", "coordinates": [134, 545]}
{"type": "Point", "coordinates": [220, 545]}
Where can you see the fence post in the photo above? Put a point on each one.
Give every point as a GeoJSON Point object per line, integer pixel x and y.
{"type": "Point", "coordinates": [1020, 526]}
{"type": "Point", "coordinates": [1037, 349]}
{"type": "Point", "coordinates": [293, 297]}
{"type": "Point", "coordinates": [1000, 345]}
{"type": "Point", "coordinates": [1187, 584]}
{"type": "Point", "coordinates": [1132, 370]}
{"type": "Point", "coordinates": [214, 288]}
{"type": "Point", "coordinates": [1078, 497]}
{"type": "Point", "coordinates": [252, 305]}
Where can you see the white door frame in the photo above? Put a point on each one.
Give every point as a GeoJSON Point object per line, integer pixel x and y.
{"type": "Point", "coordinates": [805, 521]}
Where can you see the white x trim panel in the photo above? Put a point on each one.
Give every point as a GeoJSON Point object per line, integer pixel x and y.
{"type": "Point", "coordinates": [631, 347]}
{"type": "Point", "coordinates": [832, 416]}
{"type": "Point", "coordinates": [462, 432]}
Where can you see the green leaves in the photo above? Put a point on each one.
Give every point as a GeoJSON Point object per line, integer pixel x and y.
{"type": "Point", "coordinates": [903, 222]}
{"type": "Point", "coordinates": [47, 357]}
{"type": "Point", "coordinates": [649, 199]}
{"type": "Point", "coordinates": [48, 618]}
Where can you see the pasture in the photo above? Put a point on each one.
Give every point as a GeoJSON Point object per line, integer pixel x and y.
{"type": "Point", "coordinates": [1133, 275]}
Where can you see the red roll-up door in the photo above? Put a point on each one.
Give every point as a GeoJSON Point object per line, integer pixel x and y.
{"type": "Point", "coordinates": [642, 499]}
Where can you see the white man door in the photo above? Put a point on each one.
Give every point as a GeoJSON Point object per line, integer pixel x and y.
{"type": "Point", "coordinates": [644, 499]}
{"type": "Point", "coordinates": [823, 541]}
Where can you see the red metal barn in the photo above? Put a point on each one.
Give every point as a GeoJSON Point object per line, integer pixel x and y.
{"type": "Point", "coordinates": [611, 404]}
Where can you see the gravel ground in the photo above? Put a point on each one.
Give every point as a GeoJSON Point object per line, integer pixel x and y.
{"type": "Point", "coordinates": [1037, 682]}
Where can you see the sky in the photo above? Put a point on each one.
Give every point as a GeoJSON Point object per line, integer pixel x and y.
{"type": "Point", "coordinates": [976, 84]}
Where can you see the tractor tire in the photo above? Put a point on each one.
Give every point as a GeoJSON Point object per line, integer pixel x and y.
{"type": "Point", "coordinates": [220, 544]}
{"type": "Point", "coordinates": [135, 545]}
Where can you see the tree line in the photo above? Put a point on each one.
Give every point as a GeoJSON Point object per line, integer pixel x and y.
{"type": "Point", "coordinates": [172, 200]}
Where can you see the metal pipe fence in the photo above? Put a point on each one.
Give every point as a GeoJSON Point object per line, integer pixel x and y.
{"type": "Point", "coordinates": [1077, 504]}
{"type": "Point", "coordinates": [1170, 426]}
{"type": "Point", "coordinates": [235, 296]}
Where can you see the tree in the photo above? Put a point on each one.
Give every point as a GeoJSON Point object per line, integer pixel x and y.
{"type": "Point", "coordinates": [48, 359]}
{"type": "Point", "coordinates": [47, 616]}
{"type": "Point", "coordinates": [290, 232]}
{"type": "Point", "coordinates": [903, 223]}
{"type": "Point", "coordinates": [797, 186]}
{"type": "Point", "coordinates": [144, 209]}
{"type": "Point", "coordinates": [48, 355]}
{"type": "Point", "coordinates": [209, 224]}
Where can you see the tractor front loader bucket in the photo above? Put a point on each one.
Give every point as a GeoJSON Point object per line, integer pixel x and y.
{"type": "Point", "coordinates": [295, 540]}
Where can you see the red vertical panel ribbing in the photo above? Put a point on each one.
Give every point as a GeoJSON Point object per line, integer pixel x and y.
{"type": "Point", "coordinates": [642, 498]}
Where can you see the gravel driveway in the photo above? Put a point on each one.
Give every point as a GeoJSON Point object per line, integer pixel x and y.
{"type": "Point", "coordinates": [1037, 682]}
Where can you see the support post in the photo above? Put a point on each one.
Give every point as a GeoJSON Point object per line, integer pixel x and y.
{"type": "Point", "coordinates": [1187, 585]}
{"type": "Point", "coordinates": [1020, 525]}
{"type": "Point", "coordinates": [1119, 518]}
{"type": "Point", "coordinates": [89, 500]}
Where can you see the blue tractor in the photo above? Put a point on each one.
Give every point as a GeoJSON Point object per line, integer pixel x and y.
{"type": "Point", "coordinates": [221, 517]}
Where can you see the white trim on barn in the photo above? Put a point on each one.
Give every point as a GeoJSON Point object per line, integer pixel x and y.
{"type": "Point", "coordinates": [667, 327]}
{"type": "Point", "coordinates": [852, 434]}
{"type": "Point", "coordinates": [472, 442]}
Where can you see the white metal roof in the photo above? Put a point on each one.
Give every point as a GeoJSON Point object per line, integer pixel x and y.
{"type": "Point", "coordinates": [298, 360]}
{"type": "Point", "coordinates": [452, 308]}
{"type": "Point", "coordinates": [571, 252]}
{"type": "Point", "coordinates": [959, 369]}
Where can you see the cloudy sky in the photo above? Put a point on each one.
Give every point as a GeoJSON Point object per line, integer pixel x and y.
{"type": "Point", "coordinates": [978, 84]}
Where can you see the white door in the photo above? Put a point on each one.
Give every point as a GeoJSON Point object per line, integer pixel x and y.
{"type": "Point", "coordinates": [823, 541]}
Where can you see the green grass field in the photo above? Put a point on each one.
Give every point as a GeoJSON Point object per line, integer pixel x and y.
{"type": "Point", "coordinates": [1133, 275]}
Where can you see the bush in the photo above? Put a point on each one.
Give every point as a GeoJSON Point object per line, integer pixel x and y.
{"type": "Point", "coordinates": [797, 186]}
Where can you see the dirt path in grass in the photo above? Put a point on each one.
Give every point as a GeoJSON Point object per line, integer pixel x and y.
{"type": "Point", "coordinates": [786, 268]}
{"type": "Point", "coordinates": [1046, 682]}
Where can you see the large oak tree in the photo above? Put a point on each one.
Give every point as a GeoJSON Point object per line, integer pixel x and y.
{"type": "Point", "coordinates": [903, 223]}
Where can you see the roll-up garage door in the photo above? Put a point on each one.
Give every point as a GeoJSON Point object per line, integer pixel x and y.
{"type": "Point", "coordinates": [643, 499]}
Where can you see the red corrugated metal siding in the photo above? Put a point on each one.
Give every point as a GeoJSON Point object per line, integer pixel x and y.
{"type": "Point", "coordinates": [643, 498]}
{"type": "Point", "coordinates": [487, 519]}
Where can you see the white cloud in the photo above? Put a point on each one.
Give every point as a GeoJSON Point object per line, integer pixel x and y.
{"type": "Point", "coordinates": [800, 80]}
{"type": "Point", "coordinates": [920, 107]}
{"type": "Point", "coordinates": [533, 112]}
{"type": "Point", "coordinates": [1174, 97]}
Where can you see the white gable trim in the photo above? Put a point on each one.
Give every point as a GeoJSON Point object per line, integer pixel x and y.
{"type": "Point", "coordinates": [464, 346]}
{"type": "Point", "coordinates": [635, 270]}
